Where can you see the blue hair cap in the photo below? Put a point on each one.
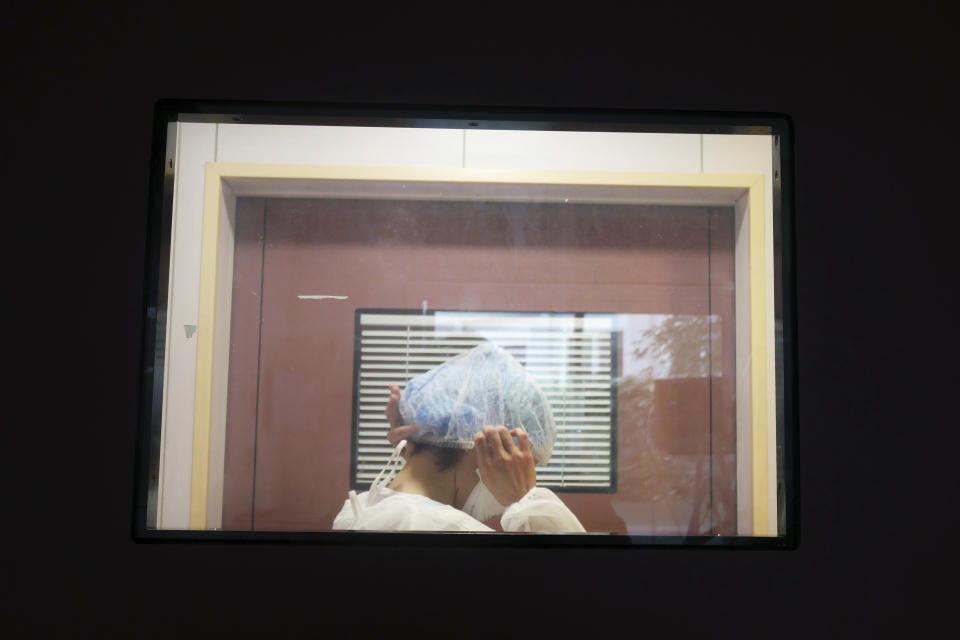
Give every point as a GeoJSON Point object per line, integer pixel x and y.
{"type": "Point", "coordinates": [483, 386]}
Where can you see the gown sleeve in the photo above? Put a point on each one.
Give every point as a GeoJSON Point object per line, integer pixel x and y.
{"type": "Point", "coordinates": [540, 510]}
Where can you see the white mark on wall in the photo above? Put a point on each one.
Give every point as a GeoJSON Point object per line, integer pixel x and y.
{"type": "Point", "coordinates": [323, 297]}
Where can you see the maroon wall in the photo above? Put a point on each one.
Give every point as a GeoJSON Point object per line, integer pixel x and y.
{"type": "Point", "coordinates": [289, 427]}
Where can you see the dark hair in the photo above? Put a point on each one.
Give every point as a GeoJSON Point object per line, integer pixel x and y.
{"type": "Point", "coordinates": [444, 457]}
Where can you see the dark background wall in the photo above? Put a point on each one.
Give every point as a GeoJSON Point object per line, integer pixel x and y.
{"type": "Point", "coordinates": [872, 95]}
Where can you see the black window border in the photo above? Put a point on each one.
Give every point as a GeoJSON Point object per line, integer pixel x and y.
{"type": "Point", "coordinates": [154, 310]}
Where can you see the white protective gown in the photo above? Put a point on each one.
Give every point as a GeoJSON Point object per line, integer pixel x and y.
{"type": "Point", "coordinates": [389, 510]}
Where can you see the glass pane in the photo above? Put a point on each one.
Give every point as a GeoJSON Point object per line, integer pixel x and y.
{"type": "Point", "coordinates": [622, 309]}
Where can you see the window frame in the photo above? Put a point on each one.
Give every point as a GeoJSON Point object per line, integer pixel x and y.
{"type": "Point", "coordinates": [218, 177]}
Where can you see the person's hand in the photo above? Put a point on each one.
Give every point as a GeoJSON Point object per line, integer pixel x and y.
{"type": "Point", "coordinates": [506, 467]}
{"type": "Point", "coordinates": [398, 431]}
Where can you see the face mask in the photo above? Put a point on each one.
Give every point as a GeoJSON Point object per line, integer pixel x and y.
{"type": "Point", "coordinates": [481, 503]}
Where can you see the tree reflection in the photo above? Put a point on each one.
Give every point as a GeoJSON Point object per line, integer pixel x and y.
{"type": "Point", "coordinates": [664, 457]}
{"type": "Point", "coordinates": [680, 345]}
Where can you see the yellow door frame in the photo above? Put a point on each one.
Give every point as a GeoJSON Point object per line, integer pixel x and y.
{"type": "Point", "coordinates": [218, 174]}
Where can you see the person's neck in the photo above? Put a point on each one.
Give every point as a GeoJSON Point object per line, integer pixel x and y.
{"type": "Point", "coordinates": [421, 476]}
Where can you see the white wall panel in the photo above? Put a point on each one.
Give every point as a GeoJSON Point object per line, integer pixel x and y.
{"type": "Point", "coordinates": [737, 154]}
{"type": "Point", "coordinates": [582, 151]}
{"type": "Point", "coordinates": [196, 144]}
{"type": "Point", "coordinates": [371, 146]}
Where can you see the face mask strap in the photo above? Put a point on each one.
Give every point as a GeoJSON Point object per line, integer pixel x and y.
{"type": "Point", "coordinates": [394, 464]}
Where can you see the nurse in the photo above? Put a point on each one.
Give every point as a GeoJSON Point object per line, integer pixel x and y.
{"type": "Point", "coordinates": [467, 436]}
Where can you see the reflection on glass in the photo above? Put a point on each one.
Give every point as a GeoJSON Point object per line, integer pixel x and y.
{"type": "Point", "coordinates": [677, 469]}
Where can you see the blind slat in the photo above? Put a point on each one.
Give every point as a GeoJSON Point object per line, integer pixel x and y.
{"type": "Point", "coordinates": [492, 336]}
